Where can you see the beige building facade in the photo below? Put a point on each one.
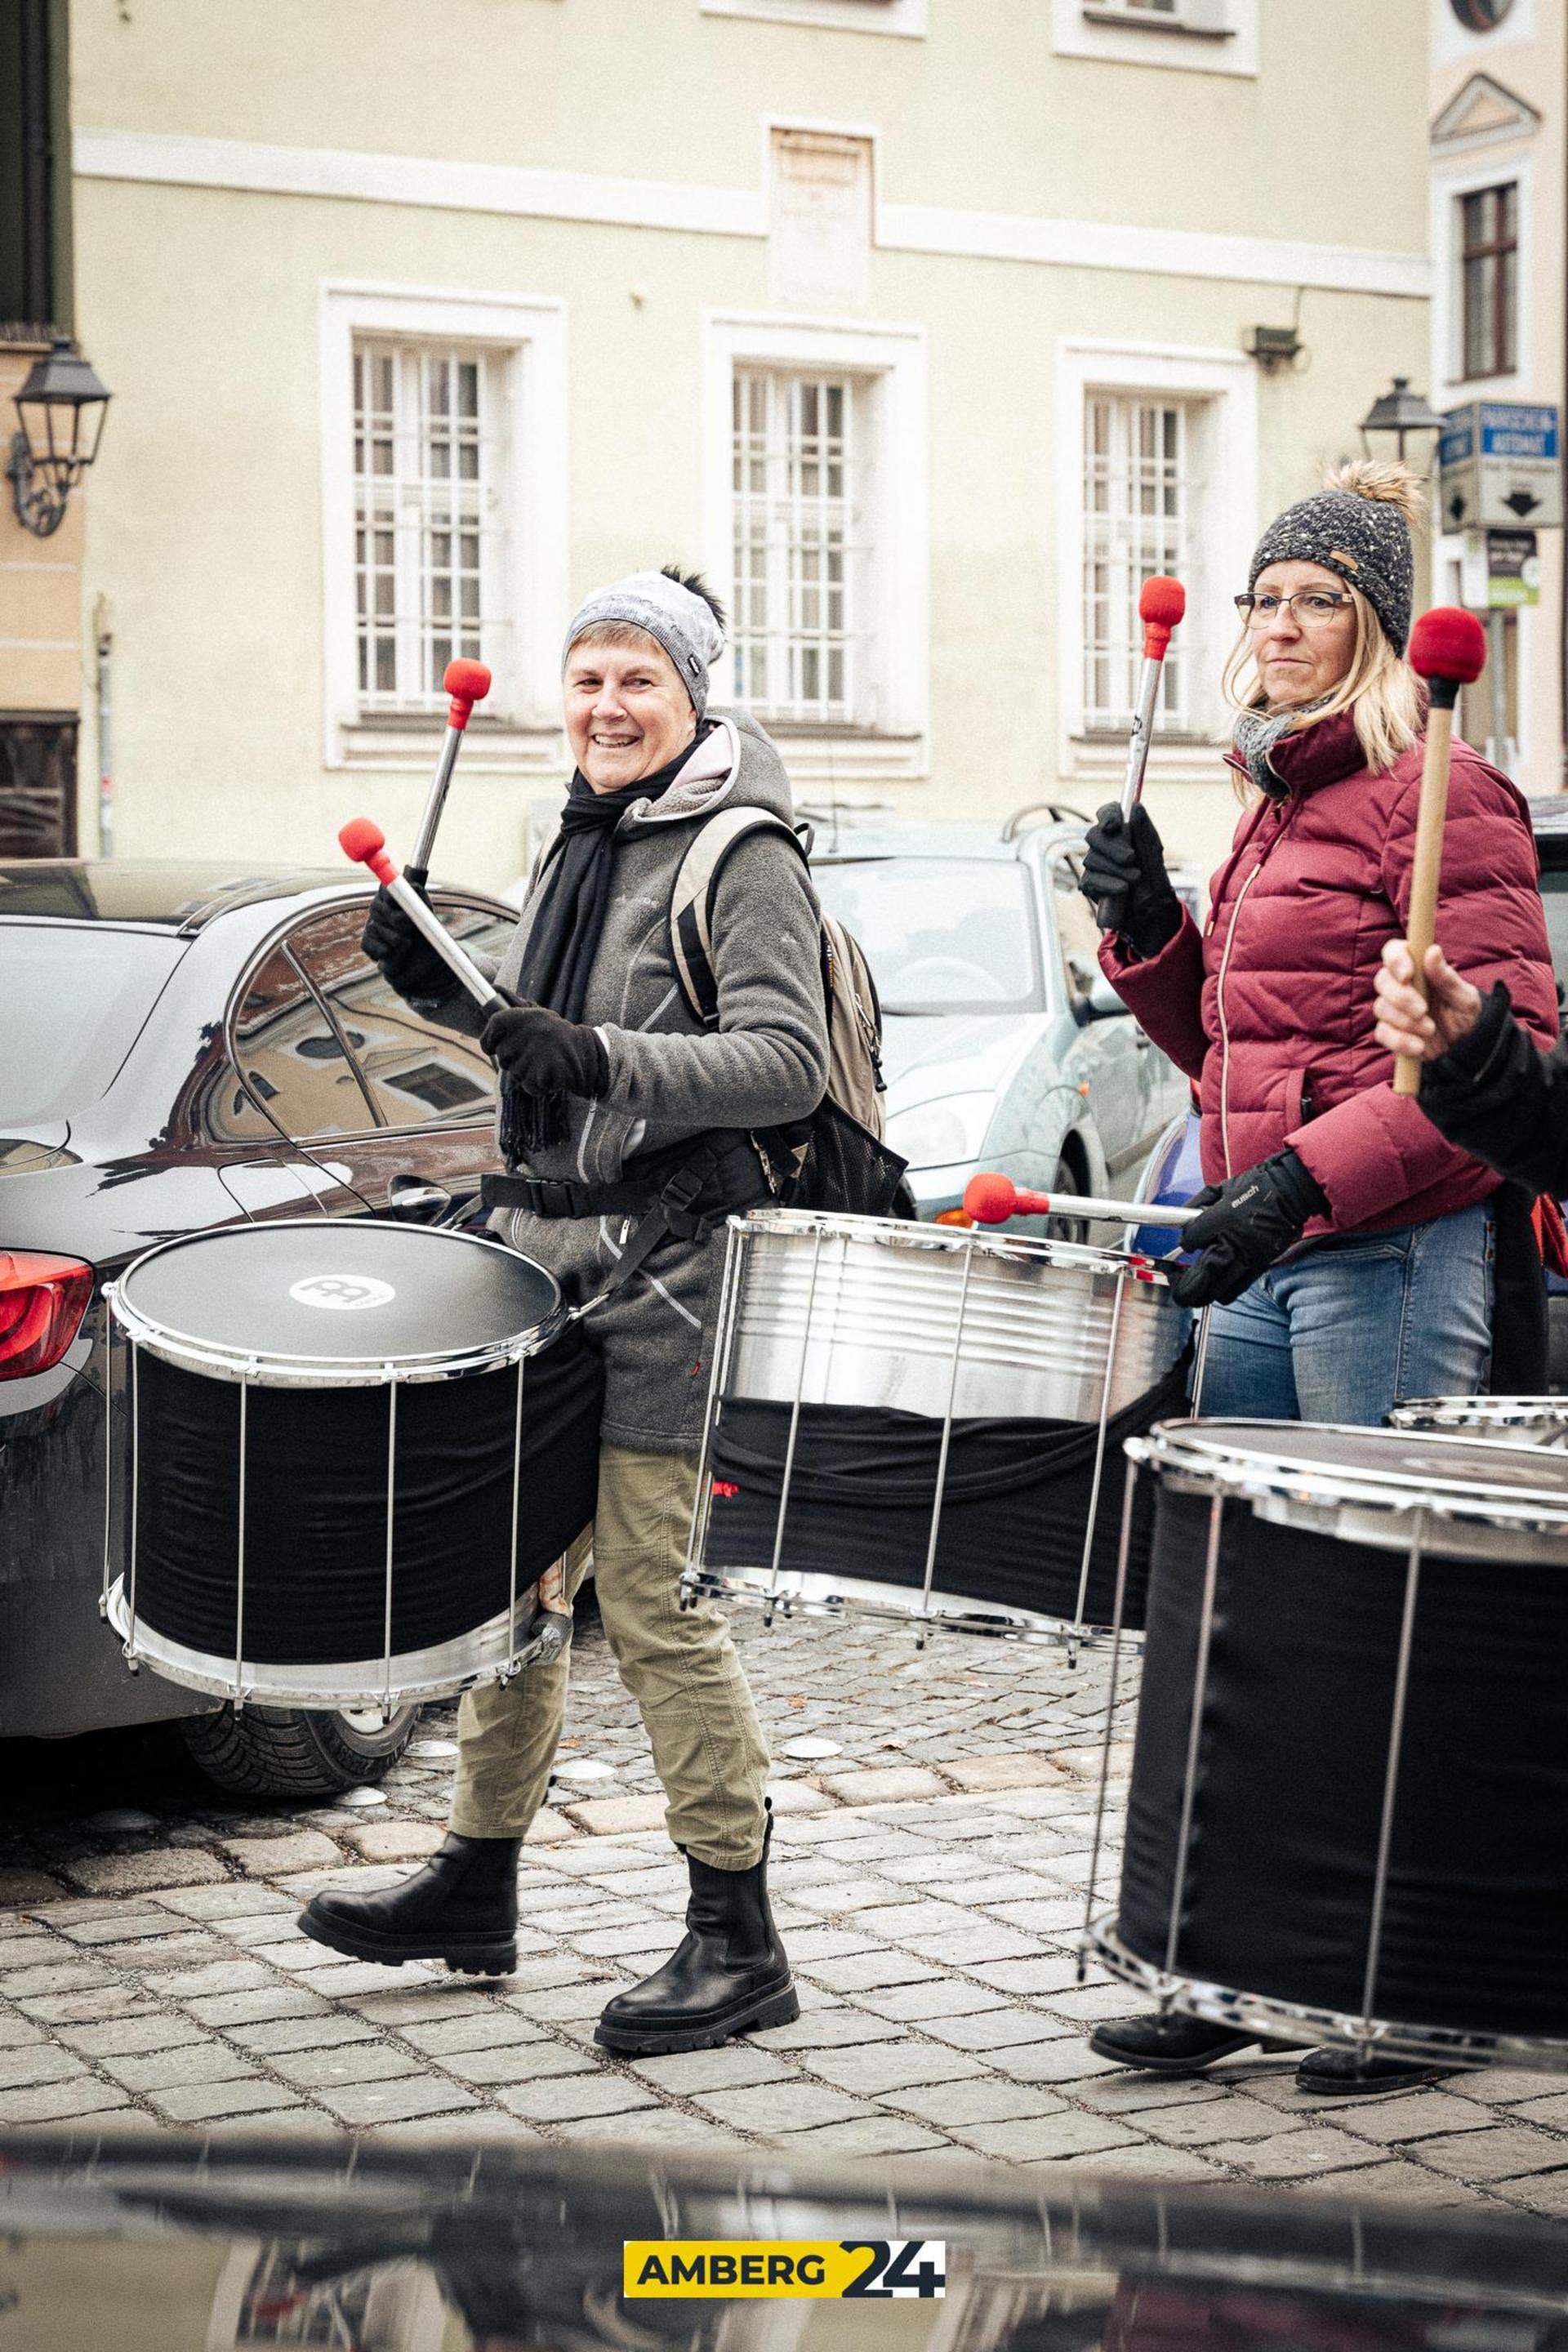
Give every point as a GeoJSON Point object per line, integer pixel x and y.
{"type": "Point", "coordinates": [927, 330]}
{"type": "Point", "coordinates": [1499, 252]}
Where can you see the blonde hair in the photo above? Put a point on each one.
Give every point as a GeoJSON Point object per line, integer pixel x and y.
{"type": "Point", "coordinates": [1379, 689]}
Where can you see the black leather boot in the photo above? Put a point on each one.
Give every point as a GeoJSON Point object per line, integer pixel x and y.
{"type": "Point", "coordinates": [1357, 2074]}
{"type": "Point", "coordinates": [1173, 2044]}
{"type": "Point", "coordinates": [460, 1908]}
{"type": "Point", "coordinates": [729, 1975]}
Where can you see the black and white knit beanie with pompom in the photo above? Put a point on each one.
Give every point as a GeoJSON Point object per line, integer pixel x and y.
{"type": "Point", "coordinates": [1359, 526]}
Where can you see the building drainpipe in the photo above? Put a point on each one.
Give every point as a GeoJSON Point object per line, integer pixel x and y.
{"type": "Point", "coordinates": [104, 640]}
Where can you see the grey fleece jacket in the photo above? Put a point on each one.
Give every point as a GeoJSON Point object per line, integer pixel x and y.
{"type": "Point", "coordinates": [765, 1063]}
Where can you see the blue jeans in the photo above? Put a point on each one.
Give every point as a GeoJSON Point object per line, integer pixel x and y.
{"type": "Point", "coordinates": [1356, 1323]}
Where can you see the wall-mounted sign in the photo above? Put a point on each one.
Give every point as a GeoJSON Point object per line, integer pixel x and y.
{"type": "Point", "coordinates": [1500, 466]}
{"type": "Point", "coordinates": [1499, 571]}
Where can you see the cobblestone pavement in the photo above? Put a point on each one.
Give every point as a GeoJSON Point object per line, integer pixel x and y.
{"type": "Point", "coordinates": [935, 1816]}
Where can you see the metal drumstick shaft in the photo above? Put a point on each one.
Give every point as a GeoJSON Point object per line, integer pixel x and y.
{"type": "Point", "coordinates": [366, 844]}
{"type": "Point", "coordinates": [466, 682]}
{"type": "Point", "coordinates": [1143, 728]}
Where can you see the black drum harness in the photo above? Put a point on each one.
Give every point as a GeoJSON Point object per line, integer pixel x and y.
{"type": "Point", "coordinates": [682, 1192]}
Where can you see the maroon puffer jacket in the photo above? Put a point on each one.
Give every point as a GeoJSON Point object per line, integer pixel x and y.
{"type": "Point", "coordinates": [1270, 1008]}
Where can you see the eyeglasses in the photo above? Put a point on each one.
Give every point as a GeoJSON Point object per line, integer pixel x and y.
{"type": "Point", "coordinates": [1310, 608]}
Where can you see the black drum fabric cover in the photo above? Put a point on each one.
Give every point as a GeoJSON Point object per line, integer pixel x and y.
{"type": "Point", "coordinates": [315, 1571]}
{"type": "Point", "coordinates": [864, 1483]}
{"type": "Point", "coordinates": [1294, 1744]}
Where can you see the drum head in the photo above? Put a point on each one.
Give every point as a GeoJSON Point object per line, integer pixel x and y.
{"type": "Point", "coordinates": [1395, 1469]}
{"type": "Point", "coordinates": [341, 1292]}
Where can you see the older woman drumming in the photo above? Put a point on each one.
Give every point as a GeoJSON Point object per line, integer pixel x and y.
{"type": "Point", "coordinates": [1347, 1249]}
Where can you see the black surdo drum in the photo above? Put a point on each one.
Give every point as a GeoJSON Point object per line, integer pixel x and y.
{"type": "Point", "coordinates": [351, 1449]}
{"type": "Point", "coordinates": [1349, 1808]}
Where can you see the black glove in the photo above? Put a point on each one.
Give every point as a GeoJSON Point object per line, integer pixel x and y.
{"type": "Point", "coordinates": [540, 1052]}
{"type": "Point", "coordinates": [1125, 882]}
{"type": "Point", "coordinates": [1249, 1221]}
{"type": "Point", "coordinates": [406, 960]}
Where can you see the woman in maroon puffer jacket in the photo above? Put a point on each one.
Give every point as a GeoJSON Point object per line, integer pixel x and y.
{"type": "Point", "coordinates": [1348, 1248]}
{"type": "Point", "coordinates": [1269, 1007]}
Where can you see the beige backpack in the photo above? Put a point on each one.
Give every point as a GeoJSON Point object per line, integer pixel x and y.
{"type": "Point", "coordinates": [838, 1159]}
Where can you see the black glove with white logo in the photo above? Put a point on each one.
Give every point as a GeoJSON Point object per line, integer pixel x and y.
{"type": "Point", "coordinates": [405, 956]}
{"type": "Point", "coordinates": [1249, 1221]}
{"type": "Point", "coordinates": [1125, 882]}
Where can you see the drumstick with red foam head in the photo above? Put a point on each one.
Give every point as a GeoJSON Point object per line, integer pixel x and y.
{"type": "Point", "coordinates": [1162, 601]}
{"type": "Point", "coordinates": [990, 1199]}
{"type": "Point", "coordinates": [1448, 649]}
{"type": "Point", "coordinates": [465, 683]}
{"type": "Point", "coordinates": [365, 843]}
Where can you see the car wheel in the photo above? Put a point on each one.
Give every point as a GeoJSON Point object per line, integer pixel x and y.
{"type": "Point", "coordinates": [1065, 1180]}
{"type": "Point", "coordinates": [285, 1751]}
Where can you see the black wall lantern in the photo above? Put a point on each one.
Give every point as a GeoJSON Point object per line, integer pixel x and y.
{"type": "Point", "coordinates": [1400, 411]}
{"type": "Point", "coordinates": [62, 406]}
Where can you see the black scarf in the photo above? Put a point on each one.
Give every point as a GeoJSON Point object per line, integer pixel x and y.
{"type": "Point", "coordinates": [568, 924]}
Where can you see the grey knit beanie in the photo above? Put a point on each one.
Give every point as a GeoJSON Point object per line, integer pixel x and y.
{"type": "Point", "coordinates": [679, 620]}
{"type": "Point", "coordinates": [1361, 533]}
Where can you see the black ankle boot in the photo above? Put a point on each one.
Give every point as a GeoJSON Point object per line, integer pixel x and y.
{"type": "Point", "coordinates": [1172, 2045]}
{"type": "Point", "coordinates": [729, 1975]}
{"type": "Point", "coordinates": [460, 1908]}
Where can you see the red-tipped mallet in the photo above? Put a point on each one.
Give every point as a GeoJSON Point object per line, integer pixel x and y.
{"type": "Point", "coordinates": [364, 842]}
{"type": "Point", "coordinates": [991, 1199]}
{"type": "Point", "coordinates": [1448, 649]}
{"type": "Point", "coordinates": [1162, 601]}
{"type": "Point", "coordinates": [465, 683]}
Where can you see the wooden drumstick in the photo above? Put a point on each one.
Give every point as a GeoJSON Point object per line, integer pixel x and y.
{"type": "Point", "coordinates": [1448, 649]}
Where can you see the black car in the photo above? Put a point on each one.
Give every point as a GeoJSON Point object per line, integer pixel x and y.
{"type": "Point", "coordinates": [184, 1047]}
{"type": "Point", "coordinates": [231, 2242]}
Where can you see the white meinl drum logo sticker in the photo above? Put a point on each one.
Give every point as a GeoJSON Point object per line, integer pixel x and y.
{"type": "Point", "coordinates": [341, 1290]}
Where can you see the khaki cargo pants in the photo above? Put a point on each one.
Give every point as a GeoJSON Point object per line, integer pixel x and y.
{"type": "Point", "coordinates": [678, 1665]}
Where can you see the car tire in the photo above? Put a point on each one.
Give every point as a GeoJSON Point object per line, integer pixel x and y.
{"type": "Point", "coordinates": [1066, 1181]}
{"type": "Point", "coordinates": [284, 1752]}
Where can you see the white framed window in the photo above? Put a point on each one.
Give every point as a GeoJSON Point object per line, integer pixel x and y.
{"type": "Point", "coordinates": [1195, 35]}
{"type": "Point", "coordinates": [909, 18]}
{"type": "Point", "coordinates": [430, 516]}
{"type": "Point", "coordinates": [444, 521]}
{"type": "Point", "coordinates": [1156, 472]}
{"type": "Point", "coordinates": [1484, 300]}
{"type": "Point", "coordinates": [817, 532]}
{"type": "Point", "coordinates": [803, 628]}
{"type": "Point", "coordinates": [1139, 496]}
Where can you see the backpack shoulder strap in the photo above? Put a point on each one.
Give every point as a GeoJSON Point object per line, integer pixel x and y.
{"type": "Point", "coordinates": [691, 903]}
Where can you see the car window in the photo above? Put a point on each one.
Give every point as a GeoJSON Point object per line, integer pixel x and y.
{"type": "Point", "coordinates": [76, 998]}
{"type": "Point", "coordinates": [1077, 930]}
{"type": "Point", "coordinates": [415, 1072]}
{"type": "Point", "coordinates": [291, 1060]}
{"type": "Point", "coordinates": [1554, 900]}
{"type": "Point", "coordinates": [942, 934]}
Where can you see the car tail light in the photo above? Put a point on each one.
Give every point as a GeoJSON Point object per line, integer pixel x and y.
{"type": "Point", "coordinates": [42, 1302]}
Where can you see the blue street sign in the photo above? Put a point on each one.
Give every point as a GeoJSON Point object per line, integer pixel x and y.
{"type": "Point", "coordinates": [1512, 429]}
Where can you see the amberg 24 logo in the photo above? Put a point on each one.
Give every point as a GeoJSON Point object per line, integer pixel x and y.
{"type": "Point", "coordinates": [880, 2269]}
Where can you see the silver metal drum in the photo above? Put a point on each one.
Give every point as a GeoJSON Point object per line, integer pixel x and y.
{"type": "Point", "coordinates": [1507, 1420]}
{"type": "Point", "coordinates": [866, 1311]}
{"type": "Point", "coordinates": [351, 1451]}
{"type": "Point", "coordinates": [928, 1332]}
{"type": "Point", "coordinates": [1348, 1815]}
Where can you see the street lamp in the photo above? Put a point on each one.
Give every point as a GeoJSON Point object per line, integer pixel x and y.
{"type": "Point", "coordinates": [1400, 411]}
{"type": "Point", "coordinates": [61, 407]}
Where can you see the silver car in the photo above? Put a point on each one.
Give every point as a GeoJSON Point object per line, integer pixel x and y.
{"type": "Point", "coordinates": [1004, 1048]}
